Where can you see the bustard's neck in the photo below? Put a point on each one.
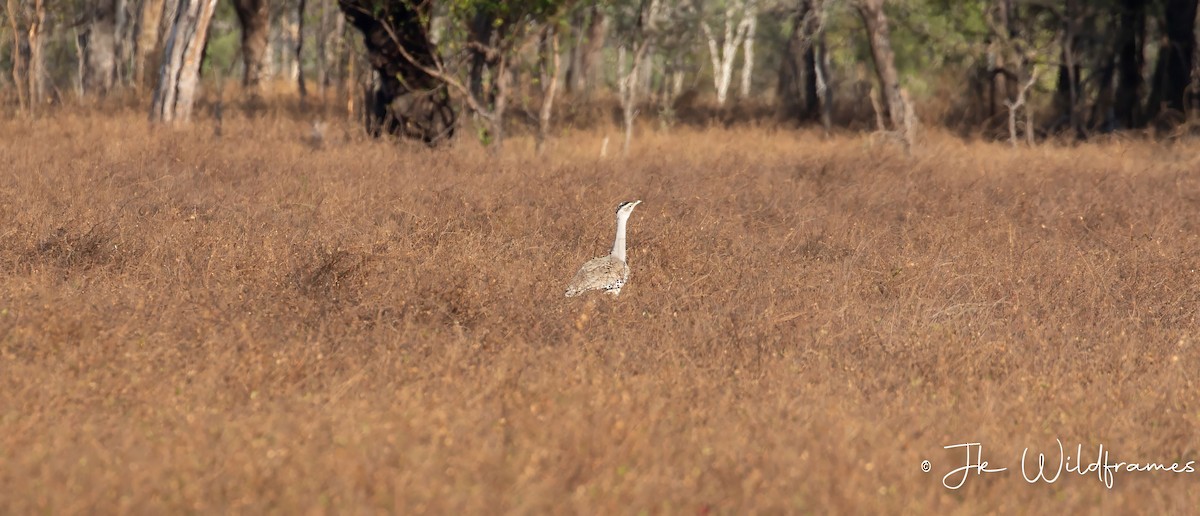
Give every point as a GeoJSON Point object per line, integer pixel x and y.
{"type": "Point", "coordinates": [618, 250]}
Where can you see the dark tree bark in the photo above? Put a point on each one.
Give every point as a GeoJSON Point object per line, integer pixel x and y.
{"type": "Point", "coordinates": [797, 73]}
{"type": "Point", "coordinates": [418, 106]}
{"type": "Point", "coordinates": [255, 18]}
{"type": "Point", "coordinates": [1130, 61]}
{"type": "Point", "coordinates": [1103, 116]}
{"type": "Point", "coordinates": [812, 104]}
{"type": "Point", "coordinates": [1173, 72]}
{"type": "Point", "coordinates": [1068, 89]}
{"type": "Point", "coordinates": [876, 23]}
{"type": "Point", "coordinates": [999, 69]}
{"type": "Point", "coordinates": [483, 37]}
{"type": "Point", "coordinates": [300, 51]}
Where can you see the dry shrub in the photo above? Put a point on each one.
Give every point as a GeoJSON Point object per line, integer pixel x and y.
{"type": "Point", "coordinates": [242, 323]}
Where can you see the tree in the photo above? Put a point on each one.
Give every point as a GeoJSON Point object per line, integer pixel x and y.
{"type": "Point", "coordinates": [591, 29]}
{"type": "Point", "coordinates": [748, 50]}
{"type": "Point", "coordinates": [182, 55]}
{"type": "Point", "coordinates": [300, 50]}
{"type": "Point", "coordinates": [798, 73]}
{"type": "Point", "coordinates": [498, 31]}
{"type": "Point", "coordinates": [550, 64]}
{"type": "Point", "coordinates": [1069, 69]}
{"type": "Point", "coordinates": [876, 23]}
{"type": "Point", "coordinates": [100, 71]}
{"type": "Point", "coordinates": [1131, 40]}
{"type": "Point", "coordinates": [254, 17]}
{"type": "Point", "coordinates": [1001, 68]}
{"type": "Point", "coordinates": [410, 97]}
{"type": "Point", "coordinates": [738, 19]}
{"type": "Point", "coordinates": [146, 39]}
{"type": "Point", "coordinates": [28, 19]}
{"type": "Point", "coordinates": [645, 17]}
{"type": "Point", "coordinates": [1172, 74]}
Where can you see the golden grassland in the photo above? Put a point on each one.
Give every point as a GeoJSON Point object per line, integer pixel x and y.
{"type": "Point", "coordinates": [244, 323]}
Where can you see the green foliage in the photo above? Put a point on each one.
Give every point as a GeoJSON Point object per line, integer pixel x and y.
{"type": "Point", "coordinates": [934, 35]}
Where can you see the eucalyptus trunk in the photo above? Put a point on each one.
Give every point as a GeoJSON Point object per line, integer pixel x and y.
{"type": "Point", "coordinates": [183, 53]}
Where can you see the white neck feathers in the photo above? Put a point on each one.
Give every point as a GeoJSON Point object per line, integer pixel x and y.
{"type": "Point", "coordinates": [618, 250]}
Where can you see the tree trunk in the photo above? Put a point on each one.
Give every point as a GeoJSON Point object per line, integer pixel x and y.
{"type": "Point", "coordinates": [146, 40]}
{"type": "Point", "coordinates": [36, 71]}
{"type": "Point", "coordinates": [1193, 96]}
{"type": "Point", "coordinates": [628, 91]}
{"type": "Point", "coordinates": [1173, 72]}
{"type": "Point", "coordinates": [503, 82]}
{"type": "Point", "coordinates": [300, 50]}
{"type": "Point", "coordinates": [584, 67]}
{"type": "Point", "coordinates": [1069, 84]}
{"type": "Point", "coordinates": [797, 73]}
{"type": "Point", "coordinates": [790, 91]}
{"type": "Point", "coordinates": [724, 52]}
{"type": "Point", "coordinates": [876, 23]}
{"type": "Point", "coordinates": [19, 51]}
{"type": "Point", "coordinates": [748, 51]}
{"type": "Point", "coordinates": [550, 65]}
{"type": "Point", "coordinates": [101, 48]}
{"type": "Point", "coordinates": [419, 106]}
{"type": "Point", "coordinates": [255, 18]}
{"type": "Point", "coordinates": [124, 45]}
{"type": "Point", "coordinates": [579, 25]}
{"type": "Point", "coordinates": [821, 83]}
{"type": "Point", "coordinates": [483, 34]}
{"type": "Point", "coordinates": [998, 53]}
{"type": "Point", "coordinates": [182, 56]}
{"type": "Point", "coordinates": [1130, 61]}
{"type": "Point", "coordinates": [322, 48]}
{"type": "Point", "coordinates": [80, 62]}
{"type": "Point", "coordinates": [1102, 116]}
{"type": "Point", "coordinates": [340, 61]}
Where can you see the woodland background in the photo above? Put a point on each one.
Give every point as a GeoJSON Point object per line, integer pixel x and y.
{"type": "Point", "coordinates": [317, 266]}
{"type": "Point", "coordinates": [1015, 69]}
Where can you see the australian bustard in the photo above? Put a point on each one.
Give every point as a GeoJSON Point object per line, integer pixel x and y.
{"type": "Point", "coordinates": [607, 273]}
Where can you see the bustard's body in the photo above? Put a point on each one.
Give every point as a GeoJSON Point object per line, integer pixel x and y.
{"type": "Point", "coordinates": [607, 273]}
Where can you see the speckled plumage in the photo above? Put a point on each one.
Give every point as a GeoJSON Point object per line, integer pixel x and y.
{"type": "Point", "coordinates": [603, 273]}
{"type": "Point", "coordinates": [607, 273]}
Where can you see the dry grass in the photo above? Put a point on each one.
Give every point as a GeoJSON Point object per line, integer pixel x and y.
{"type": "Point", "coordinates": [244, 324]}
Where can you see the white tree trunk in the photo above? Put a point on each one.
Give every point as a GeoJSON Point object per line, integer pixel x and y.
{"type": "Point", "coordinates": [551, 62]}
{"type": "Point", "coordinates": [37, 82]}
{"type": "Point", "coordinates": [291, 37]}
{"type": "Point", "coordinates": [180, 70]}
{"type": "Point", "coordinates": [724, 52]}
{"type": "Point", "coordinates": [748, 50]}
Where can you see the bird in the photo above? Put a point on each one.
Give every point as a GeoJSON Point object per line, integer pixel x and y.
{"type": "Point", "coordinates": [607, 273]}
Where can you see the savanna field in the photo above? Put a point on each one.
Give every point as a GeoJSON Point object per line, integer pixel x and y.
{"type": "Point", "coordinates": [247, 323]}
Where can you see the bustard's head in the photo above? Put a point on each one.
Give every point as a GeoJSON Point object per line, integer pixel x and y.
{"type": "Point", "coordinates": [625, 208]}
